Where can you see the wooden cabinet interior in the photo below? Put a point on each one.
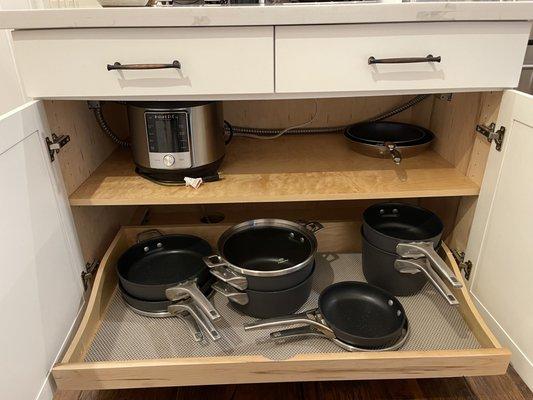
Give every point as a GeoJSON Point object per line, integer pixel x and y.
{"type": "Point", "coordinates": [456, 142]}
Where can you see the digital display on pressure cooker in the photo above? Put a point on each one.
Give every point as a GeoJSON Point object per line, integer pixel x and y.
{"type": "Point", "coordinates": [167, 132]}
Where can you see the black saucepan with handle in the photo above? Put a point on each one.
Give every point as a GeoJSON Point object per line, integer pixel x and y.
{"type": "Point", "coordinates": [265, 254]}
{"type": "Point", "coordinates": [356, 314]}
{"type": "Point", "coordinates": [167, 267]}
{"type": "Point", "coordinates": [409, 231]}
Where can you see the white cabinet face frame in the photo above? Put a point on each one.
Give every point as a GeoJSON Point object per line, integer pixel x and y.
{"type": "Point", "coordinates": [500, 245]}
{"type": "Point", "coordinates": [40, 291]}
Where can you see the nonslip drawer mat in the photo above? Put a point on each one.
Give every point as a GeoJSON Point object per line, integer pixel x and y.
{"type": "Point", "coordinates": [125, 335]}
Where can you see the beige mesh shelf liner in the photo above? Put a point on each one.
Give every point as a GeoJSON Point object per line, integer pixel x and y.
{"type": "Point", "coordinates": [124, 335]}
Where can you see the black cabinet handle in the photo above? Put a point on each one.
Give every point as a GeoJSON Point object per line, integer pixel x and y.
{"type": "Point", "coordinates": [403, 60]}
{"type": "Point", "coordinates": [175, 64]}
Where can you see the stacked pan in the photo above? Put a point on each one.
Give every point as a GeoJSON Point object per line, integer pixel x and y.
{"type": "Point", "coordinates": [165, 275]}
{"type": "Point", "coordinates": [388, 139]}
{"type": "Point", "coordinates": [265, 267]}
{"type": "Point", "coordinates": [400, 244]}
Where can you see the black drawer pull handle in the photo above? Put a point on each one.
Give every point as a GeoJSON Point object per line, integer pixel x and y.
{"type": "Point", "coordinates": [175, 64]}
{"type": "Point", "coordinates": [403, 60]}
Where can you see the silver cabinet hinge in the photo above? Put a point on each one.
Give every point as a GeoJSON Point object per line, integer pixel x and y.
{"type": "Point", "coordinates": [55, 144]}
{"type": "Point", "coordinates": [464, 266]}
{"type": "Point", "coordinates": [444, 96]}
{"type": "Point", "coordinates": [491, 134]}
{"type": "Point", "coordinates": [88, 273]}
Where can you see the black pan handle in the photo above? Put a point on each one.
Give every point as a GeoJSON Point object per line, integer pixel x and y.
{"type": "Point", "coordinates": [118, 66]}
{"type": "Point", "coordinates": [403, 60]}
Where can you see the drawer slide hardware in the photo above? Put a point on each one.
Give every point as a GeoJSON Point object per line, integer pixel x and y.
{"type": "Point", "coordinates": [88, 273]}
{"type": "Point", "coordinates": [464, 266]}
{"type": "Point", "coordinates": [491, 134]}
{"type": "Point", "coordinates": [55, 144]}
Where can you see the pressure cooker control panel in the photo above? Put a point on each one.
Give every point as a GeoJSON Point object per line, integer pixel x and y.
{"type": "Point", "coordinates": [169, 139]}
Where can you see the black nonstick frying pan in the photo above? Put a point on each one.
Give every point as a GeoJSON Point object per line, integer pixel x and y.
{"type": "Point", "coordinates": [167, 267]}
{"type": "Point", "coordinates": [356, 314]}
{"type": "Point", "coordinates": [388, 139]}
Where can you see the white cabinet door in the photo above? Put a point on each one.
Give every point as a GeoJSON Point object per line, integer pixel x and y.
{"type": "Point", "coordinates": [501, 240]}
{"type": "Point", "coordinates": [40, 288]}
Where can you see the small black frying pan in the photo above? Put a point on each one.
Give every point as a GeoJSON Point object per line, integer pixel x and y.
{"type": "Point", "coordinates": [167, 267]}
{"type": "Point", "coordinates": [352, 313]}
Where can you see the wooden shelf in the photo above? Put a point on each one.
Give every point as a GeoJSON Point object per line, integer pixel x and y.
{"type": "Point", "coordinates": [290, 168]}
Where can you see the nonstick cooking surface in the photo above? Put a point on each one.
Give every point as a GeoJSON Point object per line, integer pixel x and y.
{"type": "Point", "coordinates": [266, 248]}
{"type": "Point", "coordinates": [124, 335]}
{"type": "Point", "coordinates": [159, 268]}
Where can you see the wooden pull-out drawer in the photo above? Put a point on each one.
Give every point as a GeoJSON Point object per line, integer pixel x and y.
{"type": "Point", "coordinates": [115, 348]}
{"type": "Point", "coordinates": [335, 58]}
{"type": "Point", "coordinates": [72, 63]}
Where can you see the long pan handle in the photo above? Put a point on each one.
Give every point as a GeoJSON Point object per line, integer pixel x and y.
{"type": "Point", "coordinates": [198, 316]}
{"type": "Point", "coordinates": [190, 288]}
{"type": "Point", "coordinates": [308, 318]}
{"type": "Point", "coordinates": [415, 249]}
{"type": "Point", "coordinates": [395, 154]}
{"type": "Point", "coordinates": [192, 326]}
{"type": "Point", "coordinates": [408, 266]}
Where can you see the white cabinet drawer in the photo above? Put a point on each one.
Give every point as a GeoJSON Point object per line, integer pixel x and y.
{"type": "Point", "coordinates": [73, 63]}
{"type": "Point", "coordinates": [335, 58]}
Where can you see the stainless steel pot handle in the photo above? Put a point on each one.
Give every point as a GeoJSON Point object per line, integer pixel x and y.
{"type": "Point", "coordinates": [312, 226]}
{"type": "Point", "coordinates": [150, 232]}
{"type": "Point", "coordinates": [230, 293]}
{"type": "Point", "coordinates": [198, 316]}
{"type": "Point", "coordinates": [310, 318]}
{"type": "Point", "coordinates": [190, 288]}
{"type": "Point", "coordinates": [420, 249]}
{"type": "Point", "coordinates": [228, 276]}
{"type": "Point", "coordinates": [192, 326]}
{"type": "Point", "coordinates": [395, 154]}
{"type": "Point", "coordinates": [408, 266]}
{"type": "Point", "coordinates": [309, 331]}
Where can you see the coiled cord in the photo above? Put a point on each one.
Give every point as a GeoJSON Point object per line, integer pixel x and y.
{"type": "Point", "coordinates": [97, 110]}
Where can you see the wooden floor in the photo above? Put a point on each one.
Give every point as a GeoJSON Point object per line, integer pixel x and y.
{"type": "Point", "coordinates": [505, 387]}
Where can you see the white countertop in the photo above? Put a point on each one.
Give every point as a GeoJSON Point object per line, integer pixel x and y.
{"type": "Point", "coordinates": [89, 14]}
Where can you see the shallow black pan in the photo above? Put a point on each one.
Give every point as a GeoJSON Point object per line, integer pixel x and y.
{"type": "Point", "coordinates": [355, 313]}
{"type": "Point", "coordinates": [381, 132]}
{"type": "Point", "coordinates": [388, 139]}
{"type": "Point", "coordinates": [167, 267]}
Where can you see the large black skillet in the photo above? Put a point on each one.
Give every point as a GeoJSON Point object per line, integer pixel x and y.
{"type": "Point", "coordinates": [167, 267]}
{"type": "Point", "coordinates": [356, 314]}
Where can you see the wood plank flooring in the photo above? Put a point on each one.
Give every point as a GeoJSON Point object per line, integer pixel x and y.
{"type": "Point", "coordinates": [504, 387]}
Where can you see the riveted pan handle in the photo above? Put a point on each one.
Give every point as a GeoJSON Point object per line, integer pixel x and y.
{"type": "Point", "coordinates": [403, 60]}
{"type": "Point", "coordinates": [312, 226]}
{"type": "Point", "coordinates": [190, 288]}
{"type": "Point", "coordinates": [118, 66]}
{"type": "Point", "coordinates": [230, 293]}
{"type": "Point", "coordinates": [310, 318]}
{"type": "Point", "coordinates": [218, 268]}
{"type": "Point", "coordinates": [395, 154]}
{"type": "Point", "coordinates": [191, 324]}
{"type": "Point", "coordinates": [420, 249]}
{"type": "Point", "coordinates": [408, 266]}
{"type": "Point", "coordinates": [198, 316]}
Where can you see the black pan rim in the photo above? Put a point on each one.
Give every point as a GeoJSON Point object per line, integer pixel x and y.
{"type": "Point", "coordinates": [369, 226]}
{"type": "Point", "coordinates": [156, 239]}
{"type": "Point", "coordinates": [374, 287]}
{"type": "Point", "coordinates": [427, 136]}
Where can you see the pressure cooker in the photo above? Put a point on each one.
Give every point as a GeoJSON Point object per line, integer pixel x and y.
{"type": "Point", "coordinates": [174, 140]}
